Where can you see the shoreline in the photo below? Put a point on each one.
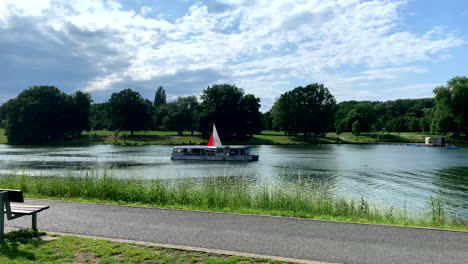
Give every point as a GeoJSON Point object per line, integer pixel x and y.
{"type": "Point", "coordinates": [104, 137]}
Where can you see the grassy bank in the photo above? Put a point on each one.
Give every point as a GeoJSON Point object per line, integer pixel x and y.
{"type": "Point", "coordinates": [3, 139]}
{"type": "Point", "coordinates": [264, 138]}
{"type": "Point", "coordinates": [303, 198]}
{"type": "Point", "coordinates": [21, 247]}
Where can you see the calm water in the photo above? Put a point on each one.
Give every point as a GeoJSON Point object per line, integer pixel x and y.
{"type": "Point", "coordinates": [393, 175]}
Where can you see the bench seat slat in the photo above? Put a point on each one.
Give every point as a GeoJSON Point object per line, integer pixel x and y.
{"type": "Point", "coordinates": [27, 210]}
{"type": "Point", "coordinates": [13, 205]}
{"type": "Point", "coordinates": [23, 212]}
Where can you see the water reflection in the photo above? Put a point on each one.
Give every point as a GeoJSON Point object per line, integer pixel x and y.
{"type": "Point", "coordinates": [453, 187]}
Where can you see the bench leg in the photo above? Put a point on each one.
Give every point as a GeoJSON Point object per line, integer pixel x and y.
{"type": "Point", "coordinates": [34, 222]}
{"type": "Point", "coordinates": [2, 224]}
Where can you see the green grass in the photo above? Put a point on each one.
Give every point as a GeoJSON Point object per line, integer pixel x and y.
{"type": "Point", "coordinates": [3, 139]}
{"type": "Point", "coordinates": [264, 138]}
{"type": "Point", "coordinates": [403, 137]}
{"type": "Point", "coordinates": [302, 198]}
{"type": "Point", "coordinates": [20, 247]}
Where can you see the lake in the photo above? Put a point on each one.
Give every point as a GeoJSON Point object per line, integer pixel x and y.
{"type": "Point", "coordinates": [393, 175]}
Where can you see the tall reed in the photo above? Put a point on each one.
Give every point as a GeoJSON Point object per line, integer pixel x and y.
{"type": "Point", "coordinates": [301, 198]}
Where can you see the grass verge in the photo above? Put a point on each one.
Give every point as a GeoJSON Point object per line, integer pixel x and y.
{"type": "Point", "coordinates": [303, 198]}
{"type": "Point", "coordinates": [3, 138]}
{"type": "Point", "coordinates": [22, 247]}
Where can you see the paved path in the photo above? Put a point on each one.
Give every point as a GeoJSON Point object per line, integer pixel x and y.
{"type": "Point", "coordinates": [276, 236]}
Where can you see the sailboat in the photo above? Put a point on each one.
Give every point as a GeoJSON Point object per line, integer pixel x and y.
{"type": "Point", "coordinates": [214, 151]}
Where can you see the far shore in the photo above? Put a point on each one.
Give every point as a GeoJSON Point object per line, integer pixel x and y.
{"type": "Point", "coordinates": [105, 137]}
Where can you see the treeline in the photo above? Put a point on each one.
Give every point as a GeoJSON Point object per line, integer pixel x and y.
{"type": "Point", "coordinates": [403, 115]}
{"type": "Point", "coordinates": [446, 113]}
{"type": "Point", "coordinates": [44, 113]}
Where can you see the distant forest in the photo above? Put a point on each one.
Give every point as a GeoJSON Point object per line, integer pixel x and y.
{"type": "Point", "coordinates": [43, 113]}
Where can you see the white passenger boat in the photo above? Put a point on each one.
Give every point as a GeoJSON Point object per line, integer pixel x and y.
{"type": "Point", "coordinates": [213, 151]}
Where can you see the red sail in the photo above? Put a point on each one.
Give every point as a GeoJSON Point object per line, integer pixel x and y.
{"type": "Point", "coordinates": [210, 142]}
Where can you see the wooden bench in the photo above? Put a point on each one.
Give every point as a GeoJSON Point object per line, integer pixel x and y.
{"type": "Point", "coordinates": [11, 202]}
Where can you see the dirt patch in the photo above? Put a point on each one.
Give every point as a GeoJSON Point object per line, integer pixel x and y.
{"type": "Point", "coordinates": [49, 238]}
{"type": "Point", "coordinates": [86, 257]}
{"type": "Point", "coordinates": [112, 138]}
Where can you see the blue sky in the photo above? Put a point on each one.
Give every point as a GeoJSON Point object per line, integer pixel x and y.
{"type": "Point", "coordinates": [360, 50]}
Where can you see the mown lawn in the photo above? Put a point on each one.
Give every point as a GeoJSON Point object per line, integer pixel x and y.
{"type": "Point", "coordinates": [3, 139]}
{"type": "Point", "coordinates": [19, 247]}
{"type": "Point", "coordinates": [140, 138]}
{"type": "Point", "coordinates": [264, 138]}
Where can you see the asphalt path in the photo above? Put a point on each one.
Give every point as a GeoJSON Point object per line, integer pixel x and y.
{"type": "Point", "coordinates": [325, 241]}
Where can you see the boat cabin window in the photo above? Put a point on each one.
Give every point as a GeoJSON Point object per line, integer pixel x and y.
{"type": "Point", "coordinates": [178, 151]}
{"type": "Point", "coordinates": [196, 151]}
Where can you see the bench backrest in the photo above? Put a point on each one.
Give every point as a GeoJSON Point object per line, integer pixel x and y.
{"type": "Point", "coordinates": [15, 196]}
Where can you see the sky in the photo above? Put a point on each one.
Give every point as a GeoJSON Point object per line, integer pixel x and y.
{"type": "Point", "coordinates": [360, 50]}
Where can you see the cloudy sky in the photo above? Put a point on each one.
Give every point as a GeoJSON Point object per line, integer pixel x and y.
{"type": "Point", "coordinates": [360, 50]}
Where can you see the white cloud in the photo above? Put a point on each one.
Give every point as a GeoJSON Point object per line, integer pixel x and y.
{"type": "Point", "coordinates": [262, 45]}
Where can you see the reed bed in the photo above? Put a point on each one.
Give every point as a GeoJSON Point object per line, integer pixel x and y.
{"type": "Point", "coordinates": [301, 198]}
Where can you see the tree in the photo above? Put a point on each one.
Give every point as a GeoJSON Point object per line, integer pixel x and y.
{"type": "Point", "coordinates": [160, 97]}
{"type": "Point", "coordinates": [251, 114]}
{"type": "Point", "coordinates": [339, 131]}
{"type": "Point", "coordinates": [180, 115]}
{"type": "Point", "coordinates": [356, 128]}
{"type": "Point", "coordinates": [127, 110]}
{"type": "Point", "coordinates": [3, 115]}
{"type": "Point", "coordinates": [43, 113]}
{"type": "Point", "coordinates": [267, 121]}
{"type": "Point", "coordinates": [309, 110]}
{"type": "Point", "coordinates": [227, 107]}
{"type": "Point", "coordinates": [99, 118]}
{"type": "Point", "coordinates": [451, 110]}
{"type": "Point", "coordinates": [79, 108]}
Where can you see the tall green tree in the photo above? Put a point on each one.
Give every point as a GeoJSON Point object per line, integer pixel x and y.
{"type": "Point", "coordinates": [160, 97]}
{"type": "Point", "coordinates": [127, 110]}
{"type": "Point", "coordinates": [99, 118]}
{"type": "Point", "coordinates": [309, 110]}
{"type": "Point", "coordinates": [44, 113]}
{"type": "Point", "coordinates": [3, 115]}
{"type": "Point", "coordinates": [79, 108]}
{"type": "Point", "coordinates": [451, 107]}
{"type": "Point", "coordinates": [227, 107]}
{"type": "Point", "coordinates": [180, 115]}
{"type": "Point", "coordinates": [356, 128]}
{"type": "Point", "coordinates": [251, 114]}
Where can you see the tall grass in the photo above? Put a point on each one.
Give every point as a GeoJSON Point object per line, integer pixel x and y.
{"type": "Point", "coordinates": [302, 198]}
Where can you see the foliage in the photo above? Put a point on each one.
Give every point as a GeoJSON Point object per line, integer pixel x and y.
{"type": "Point", "coordinates": [309, 110]}
{"type": "Point", "coordinates": [235, 114]}
{"type": "Point", "coordinates": [43, 114]}
{"type": "Point", "coordinates": [339, 129]}
{"type": "Point", "coordinates": [160, 97]}
{"type": "Point", "coordinates": [127, 110]}
{"type": "Point", "coordinates": [451, 108]}
{"type": "Point", "coordinates": [3, 115]}
{"type": "Point", "coordinates": [99, 117]}
{"type": "Point", "coordinates": [267, 121]}
{"type": "Point", "coordinates": [402, 115]}
{"type": "Point", "coordinates": [180, 115]}
{"type": "Point", "coordinates": [356, 128]}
